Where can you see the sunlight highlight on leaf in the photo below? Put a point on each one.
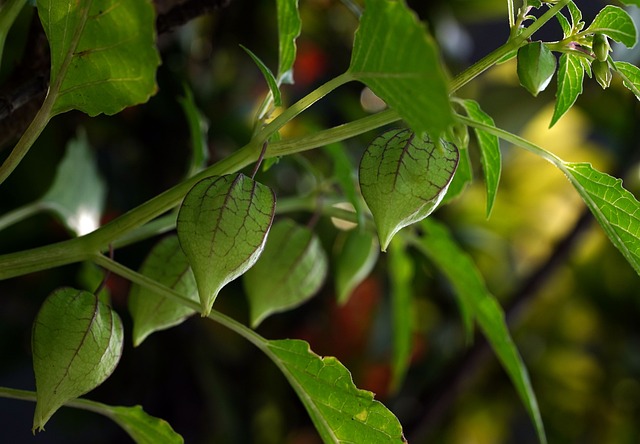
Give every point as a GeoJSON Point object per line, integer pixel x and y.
{"type": "Point", "coordinates": [616, 23]}
{"type": "Point", "coordinates": [570, 78]}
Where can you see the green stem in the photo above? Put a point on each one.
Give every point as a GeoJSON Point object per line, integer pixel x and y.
{"type": "Point", "coordinates": [512, 138]}
{"type": "Point", "coordinates": [79, 403]}
{"type": "Point", "coordinates": [20, 214]}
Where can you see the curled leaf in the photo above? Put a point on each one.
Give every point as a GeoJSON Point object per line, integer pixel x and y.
{"type": "Point", "coordinates": [290, 270]}
{"type": "Point", "coordinates": [403, 178]}
{"type": "Point", "coordinates": [222, 226]}
{"type": "Point", "coordinates": [77, 342]}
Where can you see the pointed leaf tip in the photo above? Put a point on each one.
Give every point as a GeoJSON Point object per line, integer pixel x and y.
{"type": "Point", "coordinates": [222, 226]}
{"type": "Point", "coordinates": [77, 342]}
{"type": "Point", "coordinates": [403, 178]}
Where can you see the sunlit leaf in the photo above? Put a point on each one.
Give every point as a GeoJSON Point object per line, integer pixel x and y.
{"type": "Point", "coordinates": [222, 226]}
{"type": "Point", "coordinates": [615, 208]}
{"type": "Point", "coordinates": [616, 23]}
{"type": "Point", "coordinates": [489, 151]}
{"type": "Point", "coordinates": [166, 264]}
{"type": "Point", "coordinates": [397, 58]}
{"type": "Point", "coordinates": [536, 66]}
{"type": "Point", "coordinates": [142, 427]}
{"type": "Point", "coordinates": [356, 258]}
{"type": "Point", "coordinates": [268, 76]}
{"type": "Point", "coordinates": [77, 342]}
{"type": "Point", "coordinates": [78, 192]}
{"type": "Point", "coordinates": [403, 178]}
{"type": "Point", "coordinates": [469, 286]}
{"type": "Point", "coordinates": [401, 271]}
{"type": "Point", "coordinates": [291, 269]}
{"type": "Point", "coordinates": [289, 27]}
{"type": "Point", "coordinates": [570, 77]}
{"type": "Point", "coordinates": [630, 75]}
{"type": "Point", "coordinates": [198, 129]}
{"type": "Point", "coordinates": [576, 16]}
{"type": "Point", "coordinates": [339, 410]}
{"type": "Point", "coordinates": [103, 55]}
{"type": "Point", "coordinates": [564, 24]}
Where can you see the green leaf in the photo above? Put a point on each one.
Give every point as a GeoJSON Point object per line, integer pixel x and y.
{"type": "Point", "coordinates": [291, 269]}
{"type": "Point", "coordinates": [631, 2]}
{"type": "Point", "coordinates": [343, 172]}
{"type": "Point", "coordinates": [401, 272]}
{"type": "Point", "coordinates": [198, 129]}
{"type": "Point", "coordinates": [564, 24]}
{"type": "Point", "coordinates": [630, 76]}
{"type": "Point", "coordinates": [77, 342]}
{"type": "Point", "coordinates": [78, 192]}
{"type": "Point", "coordinates": [397, 58]}
{"type": "Point", "coordinates": [103, 55]}
{"type": "Point", "coordinates": [616, 23]}
{"type": "Point", "coordinates": [289, 27]}
{"type": "Point", "coordinates": [9, 11]}
{"type": "Point", "coordinates": [142, 427]}
{"type": "Point", "coordinates": [339, 410]}
{"type": "Point", "coordinates": [403, 178]}
{"type": "Point", "coordinates": [355, 259]}
{"type": "Point", "coordinates": [222, 226]}
{"type": "Point", "coordinates": [472, 293]}
{"type": "Point", "coordinates": [268, 76]}
{"type": "Point", "coordinates": [576, 16]}
{"type": "Point", "coordinates": [615, 208]}
{"type": "Point", "coordinates": [570, 77]}
{"type": "Point", "coordinates": [166, 264]}
{"type": "Point", "coordinates": [536, 65]}
{"type": "Point", "coordinates": [489, 151]}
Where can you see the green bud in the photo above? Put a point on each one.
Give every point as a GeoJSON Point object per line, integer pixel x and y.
{"type": "Point", "coordinates": [601, 47]}
{"type": "Point", "coordinates": [536, 65]}
{"type": "Point", "coordinates": [602, 73]}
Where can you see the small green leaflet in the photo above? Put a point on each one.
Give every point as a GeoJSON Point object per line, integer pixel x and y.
{"type": "Point", "coordinates": [401, 272]}
{"type": "Point", "coordinates": [103, 54]}
{"type": "Point", "coordinates": [630, 76]}
{"type": "Point", "coordinates": [222, 226]}
{"type": "Point", "coordinates": [615, 208]}
{"type": "Point", "coordinates": [469, 286]}
{"type": "Point", "coordinates": [357, 255]}
{"type": "Point", "coordinates": [343, 172]}
{"type": "Point", "coordinates": [166, 264]}
{"type": "Point", "coordinates": [340, 411]}
{"type": "Point", "coordinates": [536, 66]}
{"type": "Point", "coordinates": [268, 76]}
{"type": "Point", "coordinates": [77, 342]}
{"type": "Point", "coordinates": [489, 151]}
{"type": "Point", "coordinates": [78, 191]}
{"type": "Point", "coordinates": [9, 11]}
{"type": "Point", "coordinates": [397, 58]}
{"type": "Point", "coordinates": [198, 130]}
{"type": "Point", "coordinates": [142, 427]}
{"type": "Point", "coordinates": [289, 27]}
{"type": "Point", "coordinates": [291, 269]}
{"type": "Point", "coordinates": [403, 178]}
{"type": "Point", "coordinates": [570, 77]}
{"type": "Point", "coordinates": [616, 23]}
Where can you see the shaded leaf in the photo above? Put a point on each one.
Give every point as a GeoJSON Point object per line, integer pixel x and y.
{"type": "Point", "coordinates": [291, 269]}
{"type": "Point", "coordinates": [166, 264]}
{"type": "Point", "coordinates": [289, 27]}
{"type": "Point", "coordinates": [78, 192]}
{"type": "Point", "coordinates": [615, 208]}
{"type": "Point", "coordinates": [536, 66]}
{"type": "Point", "coordinates": [343, 172]}
{"type": "Point", "coordinates": [474, 298]}
{"type": "Point", "coordinates": [339, 410]}
{"type": "Point", "coordinates": [268, 76]}
{"type": "Point", "coordinates": [570, 78]}
{"type": "Point", "coordinates": [77, 342]}
{"type": "Point", "coordinates": [355, 260]}
{"type": "Point", "coordinates": [198, 129]}
{"type": "Point", "coordinates": [397, 58]}
{"type": "Point", "coordinates": [103, 55]}
{"type": "Point", "coordinates": [630, 76]}
{"type": "Point", "coordinates": [142, 427]}
{"type": "Point", "coordinates": [401, 272]}
{"type": "Point", "coordinates": [490, 155]}
{"type": "Point", "coordinates": [9, 11]}
{"type": "Point", "coordinates": [631, 2]}
{"type": "Point", "coordinates": [616, 23]}
{"type": "Point", "coordinates": [222, 226]}
{"type": "Point", "coordinates": [403, 178]}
